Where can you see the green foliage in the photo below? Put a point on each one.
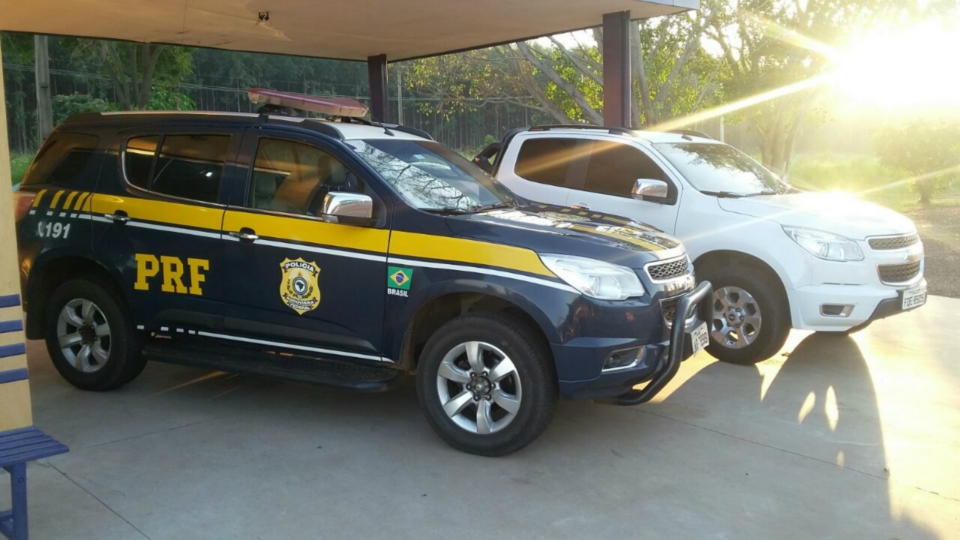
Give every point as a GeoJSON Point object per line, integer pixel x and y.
{"type": "Point", "coordinates": [66, 105]}
{"type": "Point", "coordinates": [928, 153]}
{"type": "Point", "coordinates": [19, 163]}
{"type": "Point", "coordinates": [167, 99]}
{"type": "Point", "coordinates": [862, 175]}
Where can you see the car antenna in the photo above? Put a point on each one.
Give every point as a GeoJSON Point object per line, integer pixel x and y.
{"type": "Point", "coordinates": [377, 123]}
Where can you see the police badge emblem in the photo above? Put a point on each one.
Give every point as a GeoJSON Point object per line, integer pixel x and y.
{"type": "Point", "coordinates": [299, 287]}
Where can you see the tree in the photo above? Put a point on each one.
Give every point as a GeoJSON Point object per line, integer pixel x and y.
{"type": "Point", "coordinates": [775, 51]}
{"type": "Point", "coordinates": [134, 69]}
{"type": "Point", "coordinates": [926, 152]}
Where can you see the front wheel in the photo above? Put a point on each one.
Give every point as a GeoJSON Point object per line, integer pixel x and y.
{"type": "Point", "coordinates": [750, 318]}
{"type": "Point", "coordinates": [90, 336]}
{"type": "Point", "coordinates": [486, 384]}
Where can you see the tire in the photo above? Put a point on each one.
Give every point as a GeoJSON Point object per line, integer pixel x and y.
{"type": "Point", "coordinates": [533, 382]}
{"type": "Point", "coordinates": [764, 293]}
{"type": "Point", "coordinates": [113, 359]}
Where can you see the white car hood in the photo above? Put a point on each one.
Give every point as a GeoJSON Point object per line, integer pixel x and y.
{"type": "Point", "coordinates": [837, 213]}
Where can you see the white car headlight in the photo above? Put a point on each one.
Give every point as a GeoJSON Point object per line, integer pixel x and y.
{"type": "Point", "coordinates": [593, 278]}
{"type": "Point", "coordinates": [824, 245]}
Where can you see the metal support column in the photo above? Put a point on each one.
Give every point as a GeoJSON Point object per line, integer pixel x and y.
{"type": "Point", "coordinates": [377, 69]}
{"type": "Point", "coordinates": [617, 94]}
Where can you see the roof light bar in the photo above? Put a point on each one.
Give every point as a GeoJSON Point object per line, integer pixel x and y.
{"type": "Point", "coordinates": [302, 102]}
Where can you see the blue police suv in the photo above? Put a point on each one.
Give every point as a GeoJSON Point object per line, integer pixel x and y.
{"type": "Point", "coordinates": [343, 253]}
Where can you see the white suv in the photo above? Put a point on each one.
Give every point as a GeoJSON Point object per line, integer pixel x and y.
{"type": "Point", "coordinates": [777, 257]}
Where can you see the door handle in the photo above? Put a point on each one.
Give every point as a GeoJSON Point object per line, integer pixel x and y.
{"type": "Point", "coordinates": [119, 217]}
{"type": "Point", "coordinates": [245, 234]}
{"type": "Point", "coordinates": [581, 206]}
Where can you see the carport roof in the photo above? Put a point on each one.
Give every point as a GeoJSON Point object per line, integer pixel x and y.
{"type": "Point", "coordinates": [343, 29]}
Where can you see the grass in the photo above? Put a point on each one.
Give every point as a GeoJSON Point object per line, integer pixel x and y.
{"type": "Point", "coordinates": [864, 176]}
{"type": "Point", "coordinates": [18, 167]}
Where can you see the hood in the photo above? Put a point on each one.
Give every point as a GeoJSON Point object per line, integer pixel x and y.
{"type": "Point", "coordinates": [557, 229]}
{"type": "Point", "coordinates": [836, 213]}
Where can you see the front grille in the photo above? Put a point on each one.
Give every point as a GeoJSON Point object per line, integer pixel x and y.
{"type": "Point", "coordinates": [669, 308]}
{"type": "Point", "coordinates": [896, 242]}
{"type": "Point", "coordinates": [669, 270]}
{"type": "Point", "coordinates": [899, 273]}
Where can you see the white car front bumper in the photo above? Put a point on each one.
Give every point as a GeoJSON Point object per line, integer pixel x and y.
{"type": "Point", "coordinates": [846, 295]}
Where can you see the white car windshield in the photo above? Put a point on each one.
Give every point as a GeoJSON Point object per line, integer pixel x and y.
{"type": "Point", "coordinates": [720, 169]}
{"type": "Point", "coordinates": [432, 177]}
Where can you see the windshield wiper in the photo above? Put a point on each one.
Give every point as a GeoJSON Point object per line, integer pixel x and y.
{"type": "Point", "coordinates": [447, 211]}
{"type": "Point", "coordinates": [762, 193]}
{"type": "Point", "coordinates": [723, 194]}
{"type": "Point", "coordinates": [494, 206]}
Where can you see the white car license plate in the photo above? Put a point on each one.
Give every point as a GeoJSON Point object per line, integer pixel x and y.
{"type": "Point", "coordinates": [914, 298]}
{"type": "Point", "coordinates": [700, 337]}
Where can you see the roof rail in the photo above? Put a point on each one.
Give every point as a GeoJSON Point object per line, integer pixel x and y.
{"type": "Point", "coordinates": [394, 127]}
{"type": "Point", "coordinates": [609, 129]}
{"type": "Point", "coordinates": [322, 127]}
{"type": "Point", "coordinates": [690, 133]}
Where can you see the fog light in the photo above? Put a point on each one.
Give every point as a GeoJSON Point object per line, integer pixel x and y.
{"type": "Point", "coordinates": [836, 310]}
{"type": "Point", "coordinates": [623, 359]}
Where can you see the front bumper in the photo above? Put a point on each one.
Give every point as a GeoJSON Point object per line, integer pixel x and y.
{"type": "Point", "coordinates": [869, 303]}
{"type": "Point", "coordinates": [658, 363]}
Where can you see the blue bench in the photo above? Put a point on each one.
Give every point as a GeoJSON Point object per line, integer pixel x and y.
{"type": "Point", "coordinates": [17, 447]}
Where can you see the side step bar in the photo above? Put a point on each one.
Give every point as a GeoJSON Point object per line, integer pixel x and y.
{"type": "Point", "coordinates": [305, 369]}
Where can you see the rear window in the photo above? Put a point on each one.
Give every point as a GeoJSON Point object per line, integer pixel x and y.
{"type": "Point", "coordinates": [186, 166]}
{"type": "Point", "coordinates": [63, 160]}
{"type": "Point", "coordinates": [547, 161]}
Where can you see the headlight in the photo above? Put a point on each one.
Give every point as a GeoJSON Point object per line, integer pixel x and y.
{"type": "Point", "coordinates": [824, 245]}
{"type": "Point", "coordinates": [596, 279]}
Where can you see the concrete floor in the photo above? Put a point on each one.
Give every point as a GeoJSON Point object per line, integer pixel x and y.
{"type": "Point", "coordinates": [838, 437]}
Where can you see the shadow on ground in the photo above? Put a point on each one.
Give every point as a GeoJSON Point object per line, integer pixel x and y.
{"type": "Point", "coordinates": [792, 448]}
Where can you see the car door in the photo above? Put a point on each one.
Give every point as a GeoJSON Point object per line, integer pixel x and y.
{"type": "Point", "coordinates": [156, 218]}
{"type": "Point", "coordinates": [544, 168]}
{"type": "Point", "coordinates": [293, 279]}
{"type": "Point", "coordinates": [612, 171]}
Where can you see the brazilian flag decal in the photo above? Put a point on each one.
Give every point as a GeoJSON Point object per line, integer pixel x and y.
{"type": "Point", "coordinates": [399, 278]}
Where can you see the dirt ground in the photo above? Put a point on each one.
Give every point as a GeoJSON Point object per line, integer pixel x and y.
{"type": "Point", "coordinates": [939, 228]}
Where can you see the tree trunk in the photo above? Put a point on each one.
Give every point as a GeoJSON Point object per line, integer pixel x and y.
{"type": "Point", "coordinates": [44, 100]}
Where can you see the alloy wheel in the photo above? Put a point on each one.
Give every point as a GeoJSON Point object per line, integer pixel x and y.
{"type": "Point", "coordinates": [736, 318]}
{"type": "Point", "coordinates": [83, 334]}
{"type": "Point", "coordinates": [479, 387]}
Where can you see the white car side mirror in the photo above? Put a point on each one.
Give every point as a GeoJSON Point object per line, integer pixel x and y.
{"type": "Point", "coordinates": [646, 189]}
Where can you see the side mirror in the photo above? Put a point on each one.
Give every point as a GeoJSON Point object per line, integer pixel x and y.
{"type": "Point", "coordinates": [646, 189]}
{"type": "Point", "coordinates": [347, 208]}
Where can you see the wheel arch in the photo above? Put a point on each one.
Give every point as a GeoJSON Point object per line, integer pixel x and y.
{"type": "Point", "coordinates": [727, 257]}
{"type": "Point", "coordinates": [441, 308]}
{"type": "Point", "coordinates": [50, 273]}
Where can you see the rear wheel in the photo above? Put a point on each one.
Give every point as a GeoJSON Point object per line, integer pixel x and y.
{"type": "Point", "coordinates": [90, 336]}
{"type": "Point", "coordinates": [750, 318]}
{"type": "Point", "coordinates": [486, 384]}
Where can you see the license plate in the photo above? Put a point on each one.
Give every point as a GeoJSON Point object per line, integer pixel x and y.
{"type": "Point", "coordinates": [700, 338]}
{"type": "Point", "coordinates": [914, 298]}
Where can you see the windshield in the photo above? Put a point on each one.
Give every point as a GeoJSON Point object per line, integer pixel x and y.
{"type": "Point", "coordinates": [431, 176]}
{"type": "Point", "coordinates": [720, 168]}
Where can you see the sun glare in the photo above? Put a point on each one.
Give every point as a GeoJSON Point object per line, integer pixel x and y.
{"type": "Point", "coordinates": [901, 68]}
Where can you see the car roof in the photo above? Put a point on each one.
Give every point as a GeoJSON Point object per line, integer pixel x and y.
{"type": "Point", "coordinates": [649, 136]}
{"type": "Point", "coordinates": [349, 130]}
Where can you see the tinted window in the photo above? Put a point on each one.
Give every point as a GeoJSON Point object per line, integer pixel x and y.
{"type": "Point", "coordinates": [615, 168]}
{"type": "Point", "coordinates": [547, 161]}
{"type": "Point", "coordinates": [138, 160]}
{"type": "Point", "coordinates": [719, 167]}
{"type": "Point", "coordinates": [62, 160]}
{"type": "Point", "coordinates": [190, 166]}
{"type": "Point", "coordinates": [295, 177]}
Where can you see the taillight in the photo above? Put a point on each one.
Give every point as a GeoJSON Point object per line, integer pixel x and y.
{"type": "Point", "coordinates": [22, 201]}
